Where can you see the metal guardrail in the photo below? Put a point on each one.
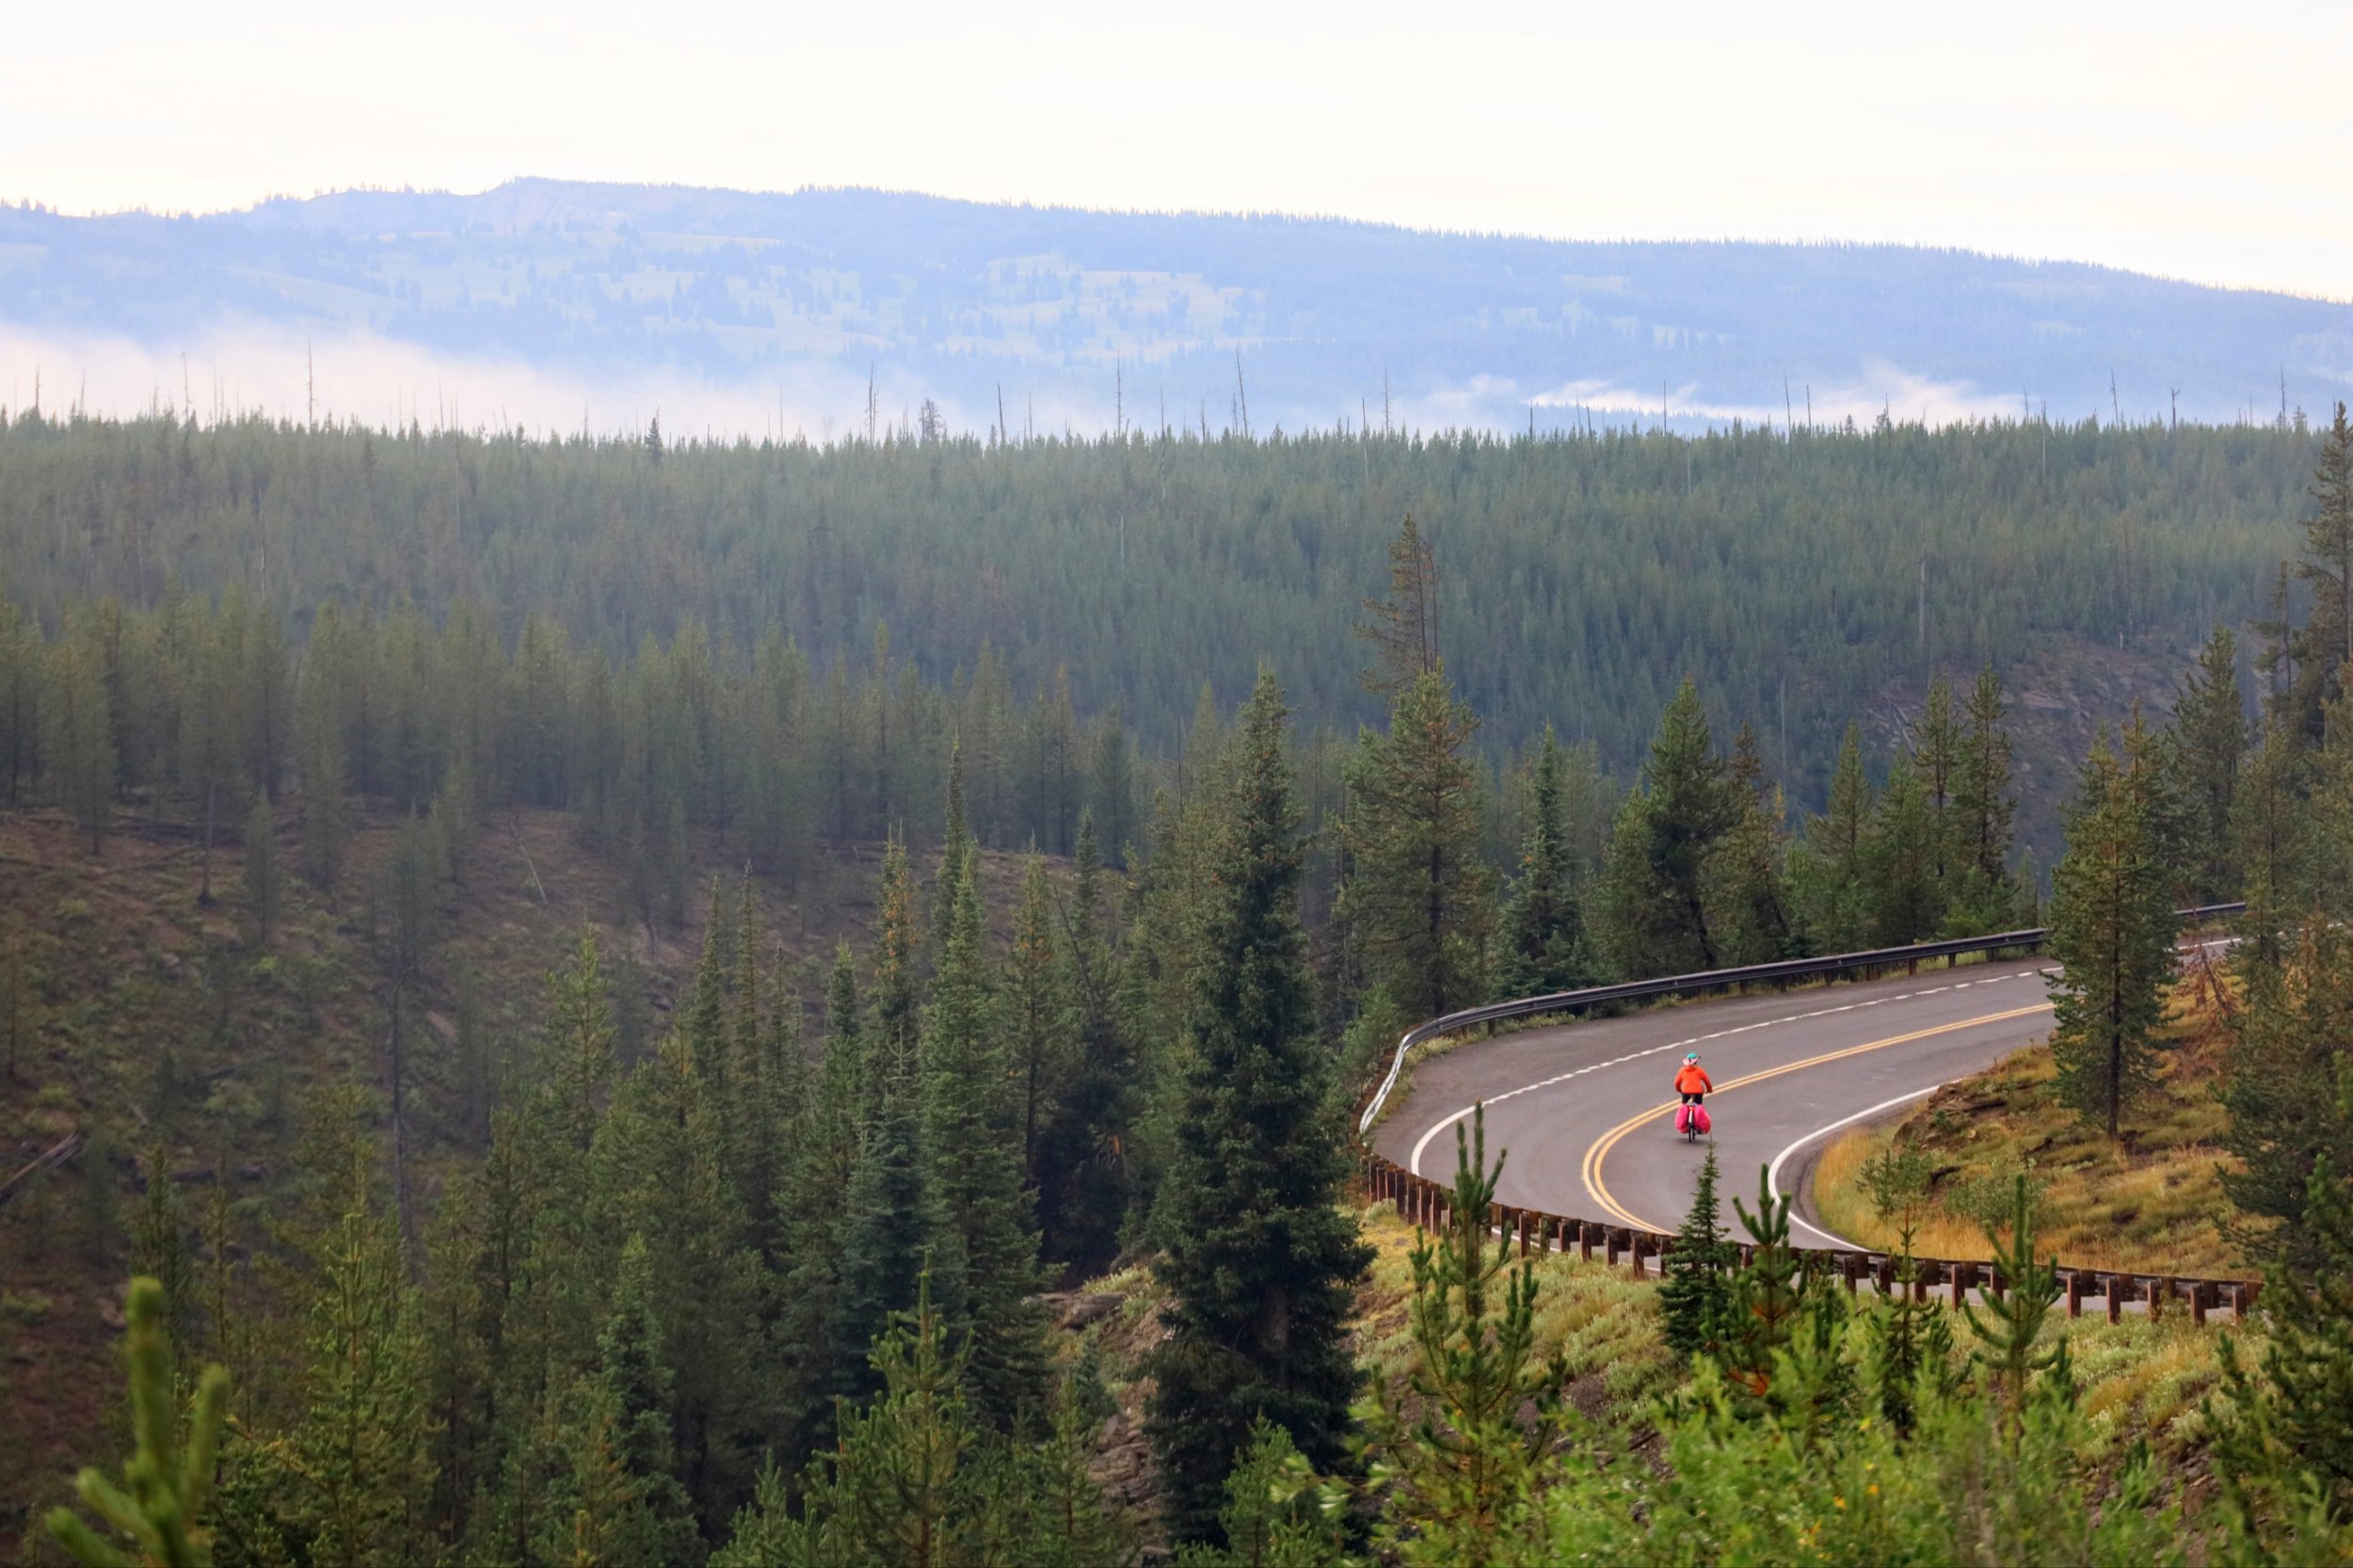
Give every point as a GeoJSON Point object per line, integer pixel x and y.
{"type": "Point", "coordinates": [1430, 1205]}
{"type": "Point", "coordinates": [1782, 972]}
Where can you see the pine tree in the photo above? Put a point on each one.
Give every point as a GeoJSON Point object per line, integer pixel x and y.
{"type": "Point", "coordinates": [2286, 1457]}
{"type": "Point", "coordinates": [359, 1462]}
{"type": "Point", "coordinates": [2112, 932]}
{"type": "Point", "coordinates": [1083, 1174]}
{"type": "Point", "coordinates": [1259, 1259]}
{"type": "Point", "coordinates": [1653, 886]}
{"type": "Point", "coordinates": [890, 1214]}
{"type": "Point", "coordinates": [78, 739]}
{"type": "Point", "coordinates": [1274, 1513]}
{"type": "Point", "coordinates": [902, 1487]}
{"type": "Point", "coordinates": [623, 1505]}
{"type": "Point", "coordinates": [167, 1481]}
{"type": "Point", "coordinates": [159, 1251]}
{"type": "Point", "coordinates": [263, 887]}
{"type": "Point", "coordinates": [1404, 628]}
{"type": "Point", "coordinates": [2286, 1038]}
{"type": "Point", "coordinates": [1540, 949]}
{"type": "Point", "coordinates": [2312, 657]}
{"type": "Point", "coordinates": [2203, 745]}
{"type": "Point", "coordinates": [984, 1253]}
{"type": "Point", "coordinates": [1985, 897]}
{"type": "Point", "coordinates": [1746, 883]}
{"type": "Point", "coordinates": [1468, 1468]}
{"type": "Point", "coordinates": [1695, 1293]}
{"type": "Point", "coordinates": [1832, 874]}
{"type": "Point", "coordinates": [1907, 900]}
{"type": "Point", "coordinates": [2271, 842]}
{"type": "Point", "coordinates": [1420, 893]}
{"type": "Point", "coordinates": [2008, 1324]}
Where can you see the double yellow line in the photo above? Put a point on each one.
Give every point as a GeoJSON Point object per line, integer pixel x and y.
{"type": "Point", "coordinates": [1607, 1140]}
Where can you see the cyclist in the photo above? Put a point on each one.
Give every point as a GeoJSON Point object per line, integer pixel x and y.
{"type": "Point", "coordinates": [1693, 1082]}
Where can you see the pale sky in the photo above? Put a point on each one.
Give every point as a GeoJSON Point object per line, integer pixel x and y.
{"type": "Point", "coordinates": [2207, 142]}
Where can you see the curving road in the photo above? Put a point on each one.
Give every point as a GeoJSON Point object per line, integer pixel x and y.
{"type": "Point", "coordinates": [1585, 1109]}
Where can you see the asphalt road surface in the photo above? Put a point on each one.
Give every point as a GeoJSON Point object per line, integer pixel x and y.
{"type": "Point", "coordinates": [1585, 1110]}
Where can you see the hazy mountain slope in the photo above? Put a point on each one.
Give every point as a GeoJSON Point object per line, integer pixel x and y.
{"type": "Point", "coordinates": [1100, 316]}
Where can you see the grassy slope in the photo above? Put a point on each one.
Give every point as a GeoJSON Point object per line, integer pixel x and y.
{"type": "Point", "coordinates": [129, 968]}
{"type": "Point", "coordinates": [2150, 1201]}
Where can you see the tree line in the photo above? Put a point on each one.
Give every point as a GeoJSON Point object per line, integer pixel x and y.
{"type": "Point", "coordinates": [1588, 574]}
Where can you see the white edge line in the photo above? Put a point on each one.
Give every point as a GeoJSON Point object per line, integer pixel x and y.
{"type": "Point", "coordinates": [1414, 1165]}
{"type": "Point", "coordinates": [1772, 1174]}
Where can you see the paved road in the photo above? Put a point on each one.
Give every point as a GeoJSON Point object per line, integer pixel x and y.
{"type": "Point", "coordinates": [1585, 1109]}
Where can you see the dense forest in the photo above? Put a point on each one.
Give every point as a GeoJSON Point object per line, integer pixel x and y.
{"type": "Point", "coordinates": [774, 1285]}
{"type": "Point", "coordinates": [1584, 577]}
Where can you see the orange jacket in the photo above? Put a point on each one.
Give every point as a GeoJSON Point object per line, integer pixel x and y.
{"type": "Point", "coordinates": [1692, 1079]}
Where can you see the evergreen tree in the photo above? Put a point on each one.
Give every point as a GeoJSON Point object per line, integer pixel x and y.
{"type": "Point", "coordinates": [167, 1481]}
{"type": "Point", "coordinates": [263, 887]}
{"type": "Point", "coordinates": [1694, 1295]}
{"type": "Point", "coordinates": [1420, 894]}
{"type": "Point", "coordinates": [1746, 883]}
{"type": "Point", "coordinates": [1466, 1469]}
{"type": "Point", "coordinates": [78, 739]}
{"type": "Point", "coordinates": [890, 1214]}
{"type": "Point", "coordinates": [1540, 949]}
{"type": "Point", "coordinates": [1081, 1168]}
{"type": "Point", "coordinates": [1984, 896]}
{"type": "Point", "coordinates": [2271, 842]}
{"type": "Point", "coordinates": [1832, 874]}
{"type": "Point", "coordinates": [2112, 932]}
{"type": "Point", "coordinates": [1273, 1514]}
{"type": "Point", "coordinates": [359, 1465]}
{"type": "Point", "coordinates": [1907, 899]}
{"type": "Point", "coordinates": [159, 1251]}
{"type": "Point", "coordinates": [1404, 628]}
{"type": "Point", "coordinates": [985, 1248]}
{"type": "Point", "coordinates": [2290, 1035]}
{"type": "Point", "coordinates": [2307, 661]}
{"type": "Point", "coordinates": [1260, 1261]}
{"type": "Point", "coordinates": [1654, 887]}
{"type": "Point", "coordinates": [626, 1506]}
{"type": "Point", "coordinates": [2286, 1454]}
{"type": "Point", "coordinates": [2203, 745]}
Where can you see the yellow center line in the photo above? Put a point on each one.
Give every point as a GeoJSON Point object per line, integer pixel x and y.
{"type": "Point", "coordinates": [1607, 1140]}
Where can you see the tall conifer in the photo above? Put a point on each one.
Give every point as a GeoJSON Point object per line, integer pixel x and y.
{"type": "Point", "coordinates": [1259, 1259]}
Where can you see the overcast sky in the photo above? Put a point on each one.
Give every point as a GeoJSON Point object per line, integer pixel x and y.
{"type": "Point", "coordinates": [2208, 142]}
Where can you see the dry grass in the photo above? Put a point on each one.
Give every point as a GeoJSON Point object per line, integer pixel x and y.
{"type": "Point", "coordinates": [2150, 1201]}
{"type": "Point", "coordinates": [1605, 1320]}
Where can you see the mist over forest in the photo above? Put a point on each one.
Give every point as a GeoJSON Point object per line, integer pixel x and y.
{"type": "Point", "coordinates": [563, 305]}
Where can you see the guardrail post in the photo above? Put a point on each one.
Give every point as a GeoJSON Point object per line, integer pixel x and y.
{"type": "Point", "coordinates": [1641, 1245]}
{"type": "Point", "coordinates": [2116, 1297]}
{"type": "Point", "coordinates": [1850, 1266]}
{"type": "Point", "coordinates": [1994, 1281]}
{"type": "Point", "coordinates": [2075, 1293]}
{"type": "Point", "coordinates": [2198, 1303]}
{"type": "Point", "coordinates": [1585, 1241]}
{"type": "Point", "coordinates": [1960, 1283]}
{"type": "Point", "coordinates": [2157, 1285]}
{"type": "Point", "coordinates": [1522, 1230]}
{"type": "Point", "coordinates": [1609, 1247]}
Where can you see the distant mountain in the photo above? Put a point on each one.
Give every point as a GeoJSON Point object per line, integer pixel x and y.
{"type": "Point", "coordinates": [1054, 314]}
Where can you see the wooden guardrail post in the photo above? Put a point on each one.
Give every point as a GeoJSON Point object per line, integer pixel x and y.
{"type": "Point", "coordinates": [1851, 1267]}
{"type": "Point", "coordinates": [2198, 1303]}
{"type": "Point", "coordinates": [1608, 1247]}
{"type": "Point", "coordinates": [1585, 1241]}
{"type": "Point", "coordinates": [2075, 1293]}
{"type": "Point", "coordinates": [2116, 1297]}
{"type": "Point", "coordinates": [2157, 1296]}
